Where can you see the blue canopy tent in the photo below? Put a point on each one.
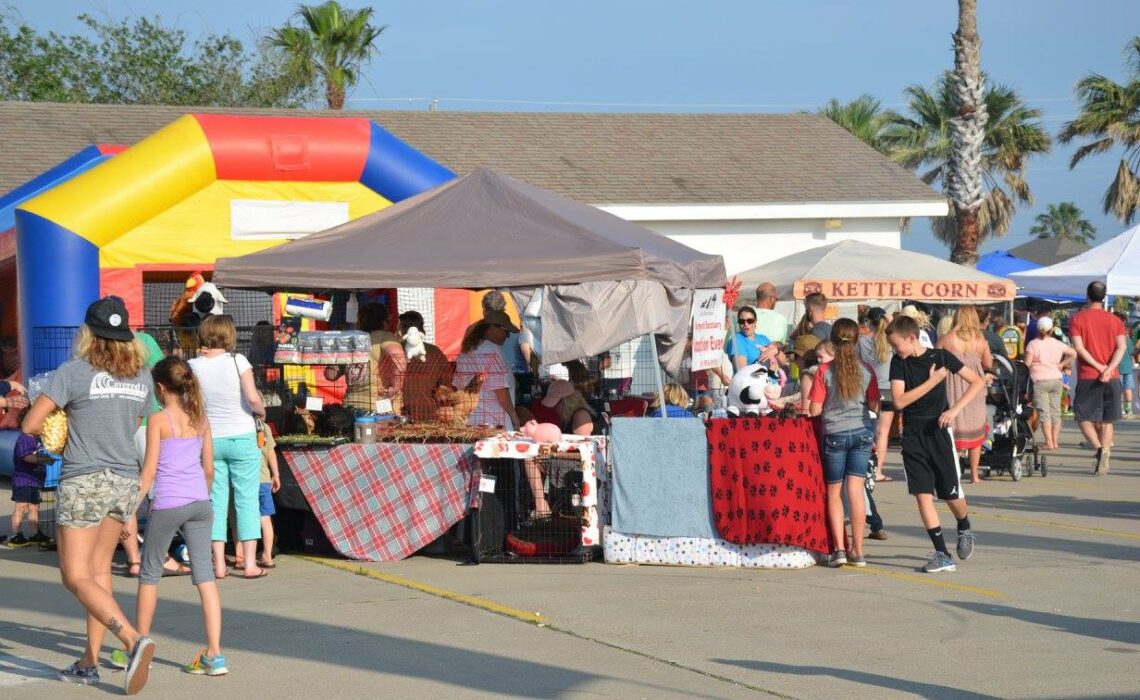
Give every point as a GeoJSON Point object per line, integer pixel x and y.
{"type": "Point", "coordinates": [1002, 263]}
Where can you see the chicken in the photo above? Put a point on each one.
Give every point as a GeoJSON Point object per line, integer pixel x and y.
{"type": "Point", "coordinates": [181, 305]}
{"type": "Point", "coordinates": [456, 406]}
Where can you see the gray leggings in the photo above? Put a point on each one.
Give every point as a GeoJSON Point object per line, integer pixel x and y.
{"type": "Point", "coordinates": [195, 520]}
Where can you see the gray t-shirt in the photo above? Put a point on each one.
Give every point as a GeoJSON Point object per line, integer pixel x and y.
{"type": "Point", "coordinates": [102, 416]}
{"type": "Point", "coordinates": [842, 415]}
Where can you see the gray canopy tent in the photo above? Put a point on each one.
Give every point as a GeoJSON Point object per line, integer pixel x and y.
{"type": "Point", "coordinates": [604, 280]}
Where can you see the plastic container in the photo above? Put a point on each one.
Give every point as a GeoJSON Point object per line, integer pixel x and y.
{"type": "Point", "coordinates": [365, 429]}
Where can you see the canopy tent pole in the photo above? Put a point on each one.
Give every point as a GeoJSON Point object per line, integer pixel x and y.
{"type": "Point", "coordinates": [657, 375]}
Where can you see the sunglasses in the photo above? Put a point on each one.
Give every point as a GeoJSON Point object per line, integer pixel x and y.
{"type": "Point", "coordinates": [746, 321]}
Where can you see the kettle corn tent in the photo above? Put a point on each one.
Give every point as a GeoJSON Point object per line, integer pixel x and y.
{"type": "Point", "coordinates": [604, 280]}
{"type": "Point", "coordinates": [850, 271]}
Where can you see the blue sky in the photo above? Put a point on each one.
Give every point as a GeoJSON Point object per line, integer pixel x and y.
{"type": "Point", "coordinates": [716, 56]}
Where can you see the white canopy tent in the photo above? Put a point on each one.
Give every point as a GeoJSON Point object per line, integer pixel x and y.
{"type": "Point", "coordinates": [856, 271]}
{"type": "Point", "coordinates": [1115, 262]}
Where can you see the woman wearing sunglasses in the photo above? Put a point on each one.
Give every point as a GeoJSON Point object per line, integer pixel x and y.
{"type": "Point", "coordinates": [746, 347]}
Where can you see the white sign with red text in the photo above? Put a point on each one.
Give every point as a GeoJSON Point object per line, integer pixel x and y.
{"type": "Point", "coordinates": [708, 328]}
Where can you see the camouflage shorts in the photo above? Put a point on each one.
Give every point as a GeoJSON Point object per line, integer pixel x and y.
{"type": "Point", "coordinates": [85, 500]}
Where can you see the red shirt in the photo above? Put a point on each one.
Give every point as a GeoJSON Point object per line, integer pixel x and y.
{"type": "Point", "coordinates": [1098, 330]}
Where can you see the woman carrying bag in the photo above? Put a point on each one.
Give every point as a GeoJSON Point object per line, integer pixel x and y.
{"type": "Point", "coordinates": [233, 408]}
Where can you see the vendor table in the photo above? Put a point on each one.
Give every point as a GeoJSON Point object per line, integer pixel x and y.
{"type": "Point", "coordinates": [384, 501]}
{"type": "Point", "coordinates": [741, 492]}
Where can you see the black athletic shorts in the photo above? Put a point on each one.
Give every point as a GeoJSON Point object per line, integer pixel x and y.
{"type": "Point", "coordinates": [1097, 401]}
{"type": "Point", "coordinates": [930, 460]}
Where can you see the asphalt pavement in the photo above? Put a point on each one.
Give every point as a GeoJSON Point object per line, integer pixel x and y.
{"type": "Point", "coordinates": [1047, 608]}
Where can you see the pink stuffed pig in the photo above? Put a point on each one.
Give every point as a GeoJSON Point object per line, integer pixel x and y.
{"type": "Point", "coordinates": [542, 432]}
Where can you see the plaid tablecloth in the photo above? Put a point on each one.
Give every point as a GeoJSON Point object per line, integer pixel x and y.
{"type": "Point", "coordinates": [383, 502]}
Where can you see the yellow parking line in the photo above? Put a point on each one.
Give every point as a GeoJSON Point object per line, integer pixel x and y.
{"type": "Point", "coordinates": [1062, 526]}
{"type": "Point", "coordinates": [395, 580]}
{"type": "Point", "coordinates": [927, 580]}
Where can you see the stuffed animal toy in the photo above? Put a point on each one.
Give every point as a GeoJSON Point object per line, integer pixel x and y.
{"type": "Point", "coordinates": [207, 300]}
{"type": "Point", "coordinates": [182, 305]}
{"type": "Point", "coordinates": [542, 432]}
{"type": "Point", "coordinates": [414, 345]}
{"type": "Point", "coordinates": [753, 391]}
{"type": "Point", "coordinates": [455, 406]}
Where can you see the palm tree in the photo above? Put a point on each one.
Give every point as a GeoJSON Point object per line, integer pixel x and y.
{"type": "Point", "coordinates": [923, 138]}
{"type": "Point", "coordinates": [864, 117]}
{"type": "Point", "coordinates": [332, 43]}
{"type": "Point", "coordinates": [967, 126]}
{"type": "Point", "coordinates": [1110, 115]}
{"type": "Point", "coordinates": [1064, 220]}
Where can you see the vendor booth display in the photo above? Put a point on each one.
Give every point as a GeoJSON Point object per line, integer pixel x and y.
{"type": "Point", "coordinates": [591, 281]}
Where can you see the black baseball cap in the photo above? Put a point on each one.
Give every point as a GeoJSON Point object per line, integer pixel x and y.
{"type": "Point", "coordinates": [107, 318]}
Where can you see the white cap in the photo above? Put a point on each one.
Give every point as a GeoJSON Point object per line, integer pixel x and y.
{"type": "Point", "coordinates": [559, 372]}
{"type": "Point", "coordinates": [1044, 324]}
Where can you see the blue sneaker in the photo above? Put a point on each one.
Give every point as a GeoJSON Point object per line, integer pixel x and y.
{"type": "Point", "coordinates": [83, 675]}
{"type": "Point", "coordinates": [941, 561]}
{"type": "Point", "coordinates": [203, 665]}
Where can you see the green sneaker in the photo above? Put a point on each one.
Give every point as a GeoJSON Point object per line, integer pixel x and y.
{"type": "Point", "coordinates": [203, 665]}
{"type": "Point", "coordinates": [119, 659]}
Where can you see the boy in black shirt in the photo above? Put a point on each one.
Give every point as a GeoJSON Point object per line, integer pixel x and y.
{"type": "Point", "coordinates": [918, 388]}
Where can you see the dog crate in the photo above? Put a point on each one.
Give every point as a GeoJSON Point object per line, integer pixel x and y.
{"type": "Point", "coordinates": [510, 525]}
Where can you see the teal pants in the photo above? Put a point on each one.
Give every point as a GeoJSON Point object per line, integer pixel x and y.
{"type": "Point", "coordinates": [237, 461]}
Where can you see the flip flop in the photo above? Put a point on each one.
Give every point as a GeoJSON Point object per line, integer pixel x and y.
{"type": "Point", "coordinates": [263, 573]}
{"type": "Point", "coordinates": [266, 565]}
{"type": "Point", "coordinates": [884, 477]}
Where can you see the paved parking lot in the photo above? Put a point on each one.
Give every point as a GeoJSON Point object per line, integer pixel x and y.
{"type": "Point", "coordinates": [1047, 608]}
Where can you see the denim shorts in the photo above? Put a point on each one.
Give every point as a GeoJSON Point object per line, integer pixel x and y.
{"type": "Point", "coordinates": [1128, 381]}
{"type": "Point", "coordinates": [847, 454]}
{"type": "Point", "coordinates": [265, 499]}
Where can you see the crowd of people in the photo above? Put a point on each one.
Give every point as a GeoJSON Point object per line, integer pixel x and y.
{"type": "Point", "coordinates": [172, 440]}
{"type": "Point", "coordinates": [201, 440]}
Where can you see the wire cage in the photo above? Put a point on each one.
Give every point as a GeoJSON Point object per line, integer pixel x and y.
{"type": "Point", "coordinates": [535, 514]}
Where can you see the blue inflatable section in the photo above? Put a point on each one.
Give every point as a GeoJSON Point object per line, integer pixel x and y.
{"type": "Point", "coordinates": [396, 170]}
{"type": "Point", "coordinates": [77, 164]}
{"type": "Point", "coordinates": [7, 446]}
{"type": "Point", "coordinates": [50, 300]}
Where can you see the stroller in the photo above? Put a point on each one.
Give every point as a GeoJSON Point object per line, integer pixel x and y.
{"type": "Point", "coordinates": [1012, 446]}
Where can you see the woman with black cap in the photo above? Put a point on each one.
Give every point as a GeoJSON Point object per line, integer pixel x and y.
{"type": "Point", "coordinates": [106, 391]}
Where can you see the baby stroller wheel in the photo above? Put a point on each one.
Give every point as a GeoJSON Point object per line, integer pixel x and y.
{"type": "Point", "coordinates": [1044, 466]}
{"type": "Point", "coordinates": [1015, 467]}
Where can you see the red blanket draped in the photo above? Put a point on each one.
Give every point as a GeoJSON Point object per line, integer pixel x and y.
{"type": "Point", "coordinates": [767, 482]}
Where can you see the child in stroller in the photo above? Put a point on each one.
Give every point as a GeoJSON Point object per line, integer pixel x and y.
{"type": "Point", "coordinates": [1012, 446]}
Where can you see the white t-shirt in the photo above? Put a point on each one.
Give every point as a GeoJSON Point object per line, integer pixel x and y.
{"type": "Point", "coordinates": [486, 360]}
{"type": "Point", "coordinates": [226, 408]}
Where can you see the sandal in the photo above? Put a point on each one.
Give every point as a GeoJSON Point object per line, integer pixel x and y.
{"type": "Point", "coordinates": [261, 573]}
{"type": "Point", "coordinates": [884, 477]}
{"type": "Point", "coordinates": [182, 570]}
{"type": "Point", "coordinates": [267, 565]}
{"type": "Point", "coordinates": [137, 566]}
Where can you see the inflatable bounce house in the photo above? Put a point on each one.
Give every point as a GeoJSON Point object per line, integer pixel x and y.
{"type": "Point", "coordinates": [112, 219]}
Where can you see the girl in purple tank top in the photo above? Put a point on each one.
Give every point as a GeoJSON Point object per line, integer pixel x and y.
{"type": "Point", "coordinates": [179, 465]}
